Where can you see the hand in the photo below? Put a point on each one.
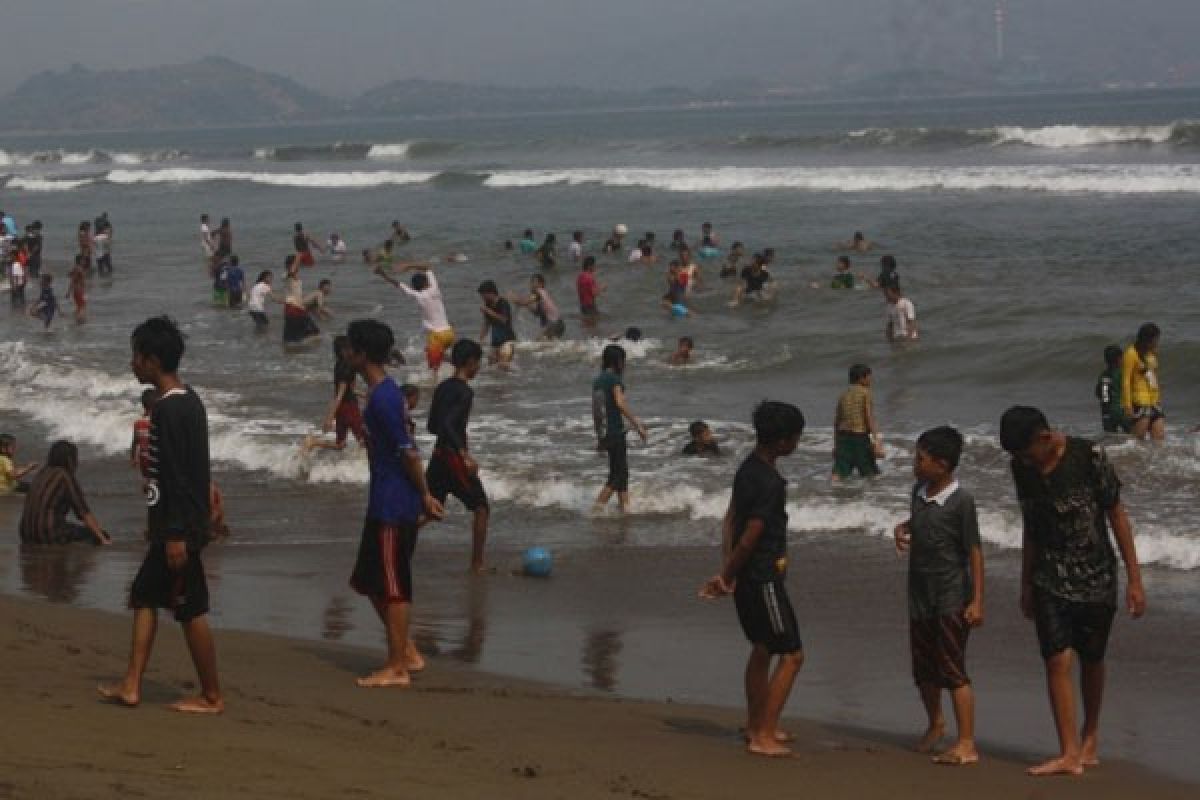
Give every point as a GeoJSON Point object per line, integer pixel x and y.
{"type": "Point", "coordinates": [1135, 599]}
{"type": "Point", "coordinates": [433, 508]}
{"type": "Point", "coordinates": [641, 429]}
{"type": "Point", "coordinates": [177, 554]}
{"type": "Point", "coordinates": [471, 464]}
{"type": "Point", "coordinates": [103, 538]}
{"type": "Point", "coordinates": [973, 614]}
{"type": "Point", "coordinates": [716, 587]}
{"type": "Point", "coordinates": [903, 536]}
{"type": "Point", "coordinates": [327, 425]}
{"type": "Point", "coordinates": [1027, 601]}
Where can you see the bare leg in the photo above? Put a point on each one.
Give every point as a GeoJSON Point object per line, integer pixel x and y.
{"type": "Point", "coordinates": [129, 690]}
{"type": "Point", "coordinates": [1093, 695]}
{"type": "Point", "coordinates": [1158, 430]}
{"type": "Point", "coordinates": [931, 698]}
{"type": "Point", "coordinates": [1062, 703]}
{"type": "Point", "coordinates": [413, 660]}
{"type": "Point", "coordinates": [623, 501]}
{"type": "Point", "coordinates": [479, 531]}
{"type": "Point", "coordinates": [764, 741]}
{"type": "Point", "coordinates": [395, 672]}
{"type": "Point", "coordinates": [758, 671]}
{"type": "Point", "coordinates": [1140, 427]}
{"type": "Point", "coordinates": [204, 658]}
{"type": "Point", "coordinates": [602, 499]}
{"type": "Point", "coordinates": [963, 750]}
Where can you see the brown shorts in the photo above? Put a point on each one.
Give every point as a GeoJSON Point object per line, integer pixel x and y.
{"type": "Point", "coordinates": [939, 650]}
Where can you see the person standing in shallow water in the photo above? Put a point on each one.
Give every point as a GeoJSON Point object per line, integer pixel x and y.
{"type": "Point", "coordinates": [1140, 390]}
{"type": "Point", "coordinates": [178, 496]}
{"type": "Point", "coordinates": [609, 410]}
{"type": "Point", "coordinates": [1070, 498]}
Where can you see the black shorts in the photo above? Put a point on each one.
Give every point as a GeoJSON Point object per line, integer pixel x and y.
{"type": "Point", "coordinates": [448, 475]}
{"type": "Point", "coordinates": [1151, 413]}
{"type": "Point", "coordinates": [1063, 624]}
{"type": "Point", "coordinates": [260, 320]}
{"type": "Point", "coordinates": [618, 463]}
{"type": "Point", "coordinates": [766, 615]}
{"type": "Point", "coordinates": [184, 592]}
{"type": "Point", "coordinates": [939, 650]}
{"type": "Point", "coordinates": [554, 330]}
{"type": "Point", "coordinates": [383, 569]}
{"type": "Point", "coordinates": [235, 298]}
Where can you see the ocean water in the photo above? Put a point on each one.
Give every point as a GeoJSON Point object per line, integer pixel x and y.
{"type": "Point", "coordinates": [1030, 233]}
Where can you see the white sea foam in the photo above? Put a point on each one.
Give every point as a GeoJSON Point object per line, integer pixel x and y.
{"type": "Point", "coordinates": [1076, 136]}
{"type": "Point", "coordinates": [389, 152]}
{"type": "Point", "coordinates": [29, 184]}
{"type": "Point", "coordinates": [312, 180]}
{"type": "Point", "coordinates": [1104, 178]}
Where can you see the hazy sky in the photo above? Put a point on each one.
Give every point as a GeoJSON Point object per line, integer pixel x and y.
{"type": "Point", "coordinates": [343, 46]}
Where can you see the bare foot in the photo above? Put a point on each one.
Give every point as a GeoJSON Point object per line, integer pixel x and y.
{"type": "Point", "coordinates": [414, 662]}
{"type": "Point", "coordinates": [481, 569]}
{"type": "Point", "coordinates": [781, 736]}
{"type": "Point", "coordinates": [960, 755]}
{"type": "Point", "coordinates": [198, 705]}
{"type": "Point", "coordinates": [1090, 755]}
{"type": "Point", "coordinates": [770, 748]}
{"type": "Point", "coordinates": [385, 678]}
{"type": "Point", "coordinates": [1062, 765]}
{"type": "Point", "coordinates": [932, 736]}
{"type": "Point", "coordinates": [117, 693]}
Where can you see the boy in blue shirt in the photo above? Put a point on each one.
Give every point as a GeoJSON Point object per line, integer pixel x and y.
{"type": "Point", "coordinates": [397, 499]}
{"type": "Point", "coordinates": [754, 543]}
{"type": "Point", "coordinates": [235, 282]}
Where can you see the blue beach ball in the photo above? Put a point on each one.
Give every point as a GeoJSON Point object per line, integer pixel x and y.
{"type": "Point", "coordinates": [537, 562]}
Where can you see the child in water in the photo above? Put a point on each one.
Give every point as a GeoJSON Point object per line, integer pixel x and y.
{"type": "Point", "coordinates": [702, 443]}
{"type": "Point", "coordinates": [10, 474]}
{"type": "Point", "coordinates": [47, 304]}
{"type": "Point", "coordinates": [1108, 392]}
{"type": "Point", "coordinates": [683, 352]}
{"type": "Point", "coordinates": [78, 289]}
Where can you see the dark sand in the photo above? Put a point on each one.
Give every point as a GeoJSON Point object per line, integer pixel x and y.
{"type": "Point", "coordinates": [296, 727]}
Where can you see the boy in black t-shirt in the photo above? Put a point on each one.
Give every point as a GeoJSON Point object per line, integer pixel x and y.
{"type": "Point", "coordinates": [178, 496]}
{"type": "Point", "coordinates": [754, 542]}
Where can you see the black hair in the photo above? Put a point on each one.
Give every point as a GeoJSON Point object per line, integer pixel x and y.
{"type": "Point", "coordinates": [419, 280]}
{"type": "Point", "coordinates": [776, 422]}
{"type": "Point", "coordinates": [577, 235]}
{"type": "Point", "coordinates": [488, 287]}
{"type": "Point", "coordinates": [759, 260]}
{"type": "Point", "coordinates": [7, 440]}
{"type": "Point", "coordinates": [858, 236]}
{"type": "Point", "coordinates": [372, 338]}
{"type": "Point", "coordinates": [697, 427]}
{"type": "Point", "coordinates": [528, 233]}
{"type": "Point", "coordinates": [647, 250]}
{"type": "Point", "coordinates": [687, 339]}
{"type": "Point", "coordinates": [540, 278]}
{"type": "Point", "coordinates": [464, 351]}
{"type": "Point", "coordinates": [675, 263]}
{"type": "Point", "coordinates": [633, 333]}
{"type": "Point", "coordinates": [613, 358]}
{"type": "Point", "coordinates": [1018, 427]}
{"type": "Point", "coordinates": [551, 238]}
{"type": "Point", "coordinates": [844, 260]}
{"type": "Point", "coordinates": [1146, 335]}
{"type": "Point", "coordinates": [677, 235]}
{"type": "Point", "coordinates": [589, 262]}
{"type": "Point", "coordinates": [148, 398]}
{"type": "Point", "coordinates": [858, 372]}
{"type": "Point", "coordinates": [262, 276]}
{"type": "Point", "coordinates": [387, 244]}
{"type": "Point", "coordinates": [159, 338]}
{"type": "Point", "coordinates": [410, 389]}
{"type": "Point", "coordinates": [289, 260]}
{"type": "Point", "coordinates": [204, 217]}
{"type": "Point", "coordinates": [888, 263]}
{"type": "Point", "coordinates": [1112, 355]}
{"type": "Point", "coordinates": [299, 226]}
{"type": "Point", "coordinates": [63, 454]}
{"type": "Point", "coordinates": [943, 443]}
{"type": "Point", "coordinates": [339, 342]}
{"type": "Point", "coordinates": [704, 225]}
{"type": "Point", "coordinates": [233, 261]}
{"type": "Point", "coordinates": [325, 282]}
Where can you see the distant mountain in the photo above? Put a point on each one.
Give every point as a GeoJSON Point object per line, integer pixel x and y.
{"type": "Point", "coordinates": [211, 92]}
{"type": "Point", "coordinates": [417, 96]}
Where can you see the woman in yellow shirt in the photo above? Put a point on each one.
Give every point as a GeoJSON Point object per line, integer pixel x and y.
{"type": "Point", "coordinates": [1139, 385]}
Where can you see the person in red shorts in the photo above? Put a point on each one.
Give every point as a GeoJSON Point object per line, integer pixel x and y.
{"type": "Point", "coordinates": [344, 416]}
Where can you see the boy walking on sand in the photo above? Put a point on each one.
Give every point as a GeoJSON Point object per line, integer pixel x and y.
{"type": "Point", "coordinates": [397, 499]}
{"type": "Point", "coordinates": [856, 442]}
{"type": "Point", "coordinates": [754, 536]}
{"type": "Point", "coordinates": [177, 494]}
{"type": "Point", "coordinates": [1070, 497]}
{"type": "Point", "coordinates": [945, 590]}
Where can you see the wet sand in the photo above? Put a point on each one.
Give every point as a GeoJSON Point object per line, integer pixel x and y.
{"type": "Point", "coordinates": [297, 727]}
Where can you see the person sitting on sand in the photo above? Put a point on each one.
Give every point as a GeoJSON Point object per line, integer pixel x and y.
{"type": "Point", "coordinates": [53, 493]}
{"type": "Point", "coordinates": [1070, 499]}
{"type": "Point", "coordinates": [179, 501]}
{"type": "Point", "coordinates": [945, 590]}
{"type": "Point", "coordinates": [397, 499]}
{"type": "Point", "coordinates": [702, 442]}
{"type": "Point", "coordinates": [754, 571]}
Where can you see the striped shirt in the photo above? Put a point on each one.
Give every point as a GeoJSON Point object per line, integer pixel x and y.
{"type": "Point", "coordinates": [53, 492]}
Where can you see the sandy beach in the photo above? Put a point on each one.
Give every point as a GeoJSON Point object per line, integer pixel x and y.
{"type": "Point", "coordinates": [297, 727]}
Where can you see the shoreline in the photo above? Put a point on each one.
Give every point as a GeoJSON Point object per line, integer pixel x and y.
{"type": "Point", "coordinates": [304, 730]}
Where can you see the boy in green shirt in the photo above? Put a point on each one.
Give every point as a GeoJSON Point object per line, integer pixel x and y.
{"type": "Point", "coordinates": [1108, 392]}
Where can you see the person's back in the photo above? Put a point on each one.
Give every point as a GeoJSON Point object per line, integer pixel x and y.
{"type": "Point", "coordinates": [1140, 372]}
{"type": "Point", "coordinates": [53, 493]}
{"type": "Point", "coordinates": [449, 413]}
{"type": "Point", "coordinates": [852, 409]}
{"type": "Point", "coordinates": [606, 414]}
{"type": "Point", "coordinates": [1108, 392]}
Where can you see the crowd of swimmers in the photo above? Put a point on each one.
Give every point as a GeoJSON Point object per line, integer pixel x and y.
{"type": "Point", "coordinates": [1068, 491]}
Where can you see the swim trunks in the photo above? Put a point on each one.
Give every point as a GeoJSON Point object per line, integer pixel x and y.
{"type": "Point", "coordinates": [436, 345]}
{"type": "Point", "coordinates": [383, 569]}
{"type": "Point", "coordinates": [766, 616]}
{"type": "Point", "coordinates": [853, 451]}
{"type": "Point", "coordinates": [618, 462]}
{"type": "Point", "coordinates": [1080, 626]}
{"type": "Point", "coordinates": [939, 650]}
{"type": "Point", "coordinates": [183, 592]}
{"type": "Point", "coordinates": [348, 419]}
{"type": "Point", "coordinates": [447, 475]}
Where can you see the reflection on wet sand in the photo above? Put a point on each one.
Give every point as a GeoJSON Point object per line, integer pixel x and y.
{"type": "Point", "coordinates": [335, 622]}
{"type": "Point", "coordinates": [56, 572]}
{"type": "Point", "coordinates": [600, 650]}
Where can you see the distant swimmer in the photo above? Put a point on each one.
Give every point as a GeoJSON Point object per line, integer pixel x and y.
{"type": "Point", "coordinates": [710, 245]}
{"type": "Point", "coordinates": [610, 409]}
{"type": "Point", "coordinates": [337, 248]}
{"type": "Point", "coordinates": [547, 254]}
{"type": "Point", "coordinates": [702, 443]}
{"type": "Point", "coordinates": [888, 277]}
{"type": "Point", "coordinates": [224, 243]}
{"type": "Point", "coordinates": [382, 261]}
{"type": "Point", "coordinates": [527, 245]}
{"type": "Point", "coordinates": [400, 234]}
{"type": "Point", "coordinates": [304, 245]}
{"type": "Point", "coordinates": [298, 325]}
{"type": "Point", "coordinates": [77, 288]}
{"type": "Point", "coordinates": [856, 442]}
{"type": "Point", "coordinates": [543, 307]}
{"type": "Point", "coordinates": [439, 335]}
{"type": "Point", "coordinates": [616, 242]}
{"type": "Point", "coordinates": [756, 282]}
{"type": "Point", "coordinates": [208, 243]}
{"type": "Point", "coordinates": [1141, 392]}
{"type": "Point", "coordinates": [690, 271]}
{"type": "Point", "coordinates": [102, 246]}
{"type": "Point", "coordinates": [260, 293]}
{"type": "Point", "coordinates": [1108, 392]}
{"type": "Point", "coordinates": [675, 298]}
{"type": "Point", "coordinates": [844, 276]}
{"type": "Point", "coordinates": [737, 251]}
{"type": "Point", "coordinates": [46, 306]}
{"type": "Point", "coordinates": [588, 289]}
{"type": "Point", "coordinates": [84, 256]}
{"type": "Point", "coordinates": [498, 322]}
{"type": "Point", "coordinates": [901, 324]}
{"type": "Point", "coordinates": [678, 241]}
{"type": "Point", "coordinates": [683, 352]}
{"type": "Point", "coordinates": [575, 248]}
{"type": "Point", "coordinates": [235, 282]}
{"type": "Point", "coordinates": [315, 302]}
{"type": "Point", "coordinates": [858, 243]}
